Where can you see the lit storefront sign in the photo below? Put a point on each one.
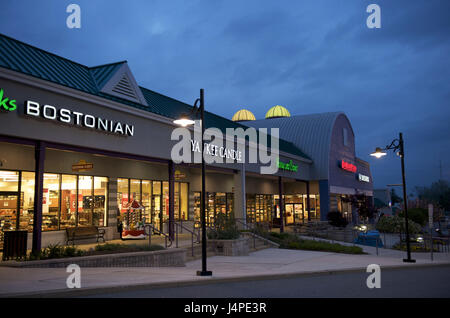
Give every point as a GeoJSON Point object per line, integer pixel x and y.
{"type": "Point", "coordinates": [290, 166]}
{"type": "Point", "coordinates": [363, 178]}
{"type": "Point", "coordinates": [76, 118]}
{"type": "Point", "coordinates": [82, 166]}
{"type": "Point", "coordinates": [214, 150]}
{"type": "Point", "coordinates": [348, 166]}
{"type": "Point", "coordinates": [7, 103]}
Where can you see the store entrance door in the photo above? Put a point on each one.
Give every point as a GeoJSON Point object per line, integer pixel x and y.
{"type": "Point", "coordinates": [289, 213]}
{"type": "Point", "coordinates": [294, 213]}
{"type": "Point", "coordinates": [298, 213]}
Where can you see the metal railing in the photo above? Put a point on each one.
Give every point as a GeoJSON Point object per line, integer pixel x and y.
{"type": "Point", "coordinates": [179, 225]}
{"type": "Point", "coordinates": [252, 228]}
{"type": "Point", "coordinates": [152, 230]}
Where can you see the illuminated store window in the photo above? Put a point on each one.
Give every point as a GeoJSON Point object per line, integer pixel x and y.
{"type": "Point", "coordinates": [184, 201]}
{"type": "Point", "coordinates": [156, 204]}
{"type": "Point", "coordinates": [100, 203]}
{"type": "Point", "coordinates": [68, 201]}
{"type": "Point", "coordinates": [27, 201]}
{"type": "Point", "coordinates": [176, 208]}
{"type": "Point", "coordinates": [147, 199]}
{"type": "Point", "coordinates": [135, 190]}
{"type": "Point", "coordinates": [85, 200]}
{"type": "Point", "coordinates": [9, 183]}
{"type": "Point", "coordinates": [197, 206]}
{"type": "Point", "coordinates": [50, 202]}
{"type": "Point", "coordinates": [216, 202]}
{"type": "Point", "coordinates": [122, 195]}
{"type": "Point", "coordinates": [165, 213]}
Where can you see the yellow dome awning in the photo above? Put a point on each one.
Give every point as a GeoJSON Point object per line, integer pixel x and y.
{"type": "Point", "coordinates": [277, 111]}
{"type": "Point", "coordinates": [243, 115]}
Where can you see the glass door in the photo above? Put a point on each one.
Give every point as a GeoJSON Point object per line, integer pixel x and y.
{"type": "Point", "coordinates": [300, 216]}
{"type": "Point", "coordinates": [289, 213]}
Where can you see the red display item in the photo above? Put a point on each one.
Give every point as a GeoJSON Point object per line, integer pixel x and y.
{"type": "Point", "coordinates": [133, 234]}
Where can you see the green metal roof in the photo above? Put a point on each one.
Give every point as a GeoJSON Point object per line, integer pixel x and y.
{"type": "Point", "coordinates": [30, 60]}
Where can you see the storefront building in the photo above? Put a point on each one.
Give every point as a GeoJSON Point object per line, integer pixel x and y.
{"type": "Point", "coordinates": [79, 144]}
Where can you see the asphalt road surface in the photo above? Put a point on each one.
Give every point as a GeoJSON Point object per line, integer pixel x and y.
{"type": "Point", "coordinates": [411, 282]}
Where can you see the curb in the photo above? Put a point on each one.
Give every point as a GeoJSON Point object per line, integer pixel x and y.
{"type": "Point", "coordinates": [65, 293]}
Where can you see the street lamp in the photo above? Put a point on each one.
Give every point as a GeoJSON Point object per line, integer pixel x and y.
{"type": "Point", "coordinates": [185, 120]}
{"type": "Point", "coordinates": [397, 144]}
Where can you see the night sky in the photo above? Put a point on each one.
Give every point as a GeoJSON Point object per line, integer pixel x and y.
{"type": "Point", "coordinates": [309, 56]}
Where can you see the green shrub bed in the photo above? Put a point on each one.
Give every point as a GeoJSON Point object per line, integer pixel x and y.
{"type": "Point", "coordinates": [58, 251]}
{"type": "Point", "coordinates": [290, 241]}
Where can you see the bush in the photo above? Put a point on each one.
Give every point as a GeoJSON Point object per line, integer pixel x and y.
{"type": "Point", "coordinates": [329, 247]}
{"type": "Point", "coordinates": [56, 251]}
{"type": "Point", "coordinates": [335, 218]}
{"type": "Point", "coordinates": [225, 228]}
{"type": "Point", "coordinates": [115, 247]}
{"type": "Point", "coordinates": [396, 224]}
{"type": "Point", "coordinates": [418, 215]}
{"type": "Point", "coordinates": [291, 241]}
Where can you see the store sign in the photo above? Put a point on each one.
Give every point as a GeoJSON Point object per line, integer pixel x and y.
{"type": "Point", "coordinates": [82, 166]}
{"type": "Point", "coordinates": [214, 150]}
{"type": "Point", "coordinates": [78, 119]}
{"type": "Point", "coordinates": [288, 166]}
{"type": "Point", "coordinates": [179, 175]}
{"type": "Point", "coordinates": [348, 166]}
{"type": "Point", "coordinates": [7, 103]}
{"type": "Point", "coordinates": [363, 178]}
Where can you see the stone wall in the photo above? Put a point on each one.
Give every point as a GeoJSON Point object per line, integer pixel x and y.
{"type": "Point", "coordinates": [172, 257]}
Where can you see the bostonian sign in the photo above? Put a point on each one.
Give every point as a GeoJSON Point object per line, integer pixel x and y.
{"type": "Point", "coordinates": [78, 119]}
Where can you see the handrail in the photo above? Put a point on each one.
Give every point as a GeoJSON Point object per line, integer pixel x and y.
{"type": "Point", "coordinates": [181, 226]}
{"type": "Point", "coordinates": [252, 231]}
{"type": "Point", "coordinates": [155, 230]}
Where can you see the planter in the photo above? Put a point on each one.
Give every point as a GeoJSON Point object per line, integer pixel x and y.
{"type": "Point", "coordinates": [238, 247]}
{"type": "Point", "coordinates": [172, 257]}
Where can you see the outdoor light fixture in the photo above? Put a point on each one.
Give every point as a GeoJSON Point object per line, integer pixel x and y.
{"type": "Point", "coordinates": [397, 145]}
{"type": "Point", "coordinates": [185, 121]}
{"type": "Point", "coordinates": [378, 153]}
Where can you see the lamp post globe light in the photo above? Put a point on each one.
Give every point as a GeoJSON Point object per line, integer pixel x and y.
{"type": "Point", "coordinates": [184, 121]}
{"type": "Point", "coordinates": [397, 144]}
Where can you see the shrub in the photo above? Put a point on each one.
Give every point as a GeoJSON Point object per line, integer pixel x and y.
{"type": "Point", "coordinates": [335, 218]}
{"type": "Point", "coordinates": [225, 228]}
{"type": "Point", "coordinates": [418, 215]}
{"type": "Point", "coordinates": [291, 241]}
{"type": "Point", "coordinates": [117, 247]}
{"type": "Point", "coordinates": [56, 251]}
{"type": "Point", "coordinates": [396, 224]}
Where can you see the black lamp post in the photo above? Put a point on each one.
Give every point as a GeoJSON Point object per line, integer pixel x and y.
{"type": "Point", "coordinates": [397, 144]}
{"type": "Point", "coordinates": [185, 121]}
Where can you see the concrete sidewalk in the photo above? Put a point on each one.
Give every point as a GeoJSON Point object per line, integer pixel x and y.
{"type": "Point", "coordinates": [264, 264]}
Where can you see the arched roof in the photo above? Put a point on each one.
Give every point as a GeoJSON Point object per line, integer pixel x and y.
{"type": "Point", "coordinates": [311, 133]}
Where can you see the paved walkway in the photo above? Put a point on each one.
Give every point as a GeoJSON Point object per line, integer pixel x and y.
{"type": "Point", "coordinates": [268, 263]}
